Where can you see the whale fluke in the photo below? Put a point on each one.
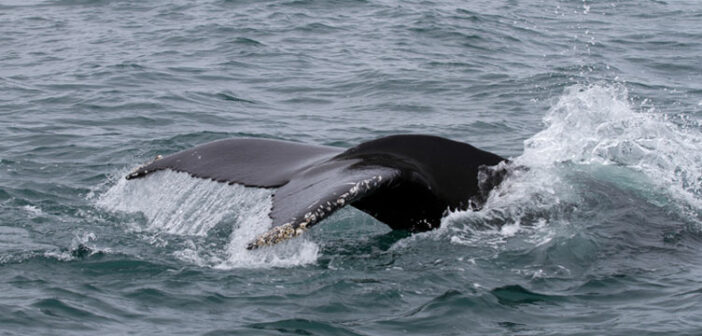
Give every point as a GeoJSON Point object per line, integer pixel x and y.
{"type": "Point", "coordinates": [252, 162]}
{"type": "Point", "coordinates": [406, 181]}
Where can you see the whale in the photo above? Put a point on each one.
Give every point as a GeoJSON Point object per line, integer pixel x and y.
{"type": "Point", "coordinates": [408, 182]}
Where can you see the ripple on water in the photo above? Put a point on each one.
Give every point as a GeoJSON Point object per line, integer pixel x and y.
{"type": "Point", "coordinates": [600, 234]}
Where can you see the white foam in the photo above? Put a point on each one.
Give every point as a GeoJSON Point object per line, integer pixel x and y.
{"type": "Point", "coordinates": [81, 240]}
{"type": "Point", "coordinates": [597, 124]}
{"type": "Point", "coordinates": [254, 221]}
{"type": "Point", "coordinates": [178, 204]}
{"type": "Point", "coordinates": [588, 125]}
{"type": "Point", "coordinates": [33, 210]}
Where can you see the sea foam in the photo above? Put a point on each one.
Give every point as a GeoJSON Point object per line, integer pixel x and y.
{"type": "Point", "coordinates": [589, 126]}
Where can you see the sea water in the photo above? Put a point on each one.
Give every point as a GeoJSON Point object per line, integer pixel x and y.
{"type": "Point", "coordinates": [598, 102]}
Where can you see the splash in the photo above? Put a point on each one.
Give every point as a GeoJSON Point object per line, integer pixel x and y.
{"type": "Point", "coordinates": [177, 204]}
{"type": "Point", "coordinates": [33, 210]}
{"type": "Point", "coordinates": [598, 125]}
{"type": "Point", "coordinates": [593, 125]}
{"type": "Point", "coordinates": [82, 245]}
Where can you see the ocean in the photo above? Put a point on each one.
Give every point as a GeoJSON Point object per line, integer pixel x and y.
{"type": "Point", "coordinates": [601, 101]}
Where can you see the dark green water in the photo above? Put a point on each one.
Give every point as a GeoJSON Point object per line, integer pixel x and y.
{"type": "Point", "coordinates": [602, 101]}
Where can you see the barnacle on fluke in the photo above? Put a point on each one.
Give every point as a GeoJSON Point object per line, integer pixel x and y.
{"type": "Point", "coordinates": [141, 170]}
{"type": "Point", "coordinates": [321, 210]}
{"type": "Point", "coordinates": [277, 234]}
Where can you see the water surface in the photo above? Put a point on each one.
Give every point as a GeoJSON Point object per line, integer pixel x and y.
{"type": "Point", "coordinates": [602, 101]}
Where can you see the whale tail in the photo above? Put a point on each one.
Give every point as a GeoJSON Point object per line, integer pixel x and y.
{"type": "Point", "coordinates": [407, 182]}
